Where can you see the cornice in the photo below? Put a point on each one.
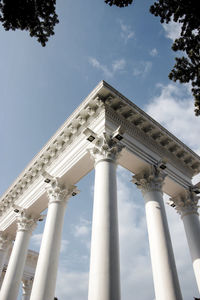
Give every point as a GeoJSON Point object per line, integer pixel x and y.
{"type": "Point", "coordinates": [159, 136]}
{"type": "Point", "coordinates": [138, 134]}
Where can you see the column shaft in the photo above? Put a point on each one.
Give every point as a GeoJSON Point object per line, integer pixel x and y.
{"type": "Point", "coordinates": [104, 280]}
{"type": "Point", "coordinates": [163, 264]}
{"type": "Point", "coordinates": [192, 229]}
{"type": "Point", "coordinates": [46, 271]}
{"type": "Point", "coordinates": [12, 280]}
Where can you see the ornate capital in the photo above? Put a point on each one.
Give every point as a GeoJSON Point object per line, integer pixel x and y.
{"type": "Point", "coordinates": [26, 221]}
{"type": "Point", "coordinates": [56, 192]}
{"type": "Point", "coordinates": [150, 179]}
{"type": "Point", "coordinates": [185, 203]}
{"type": "Point", "coordinates": [5, 241]}
{"type": "Point", "coordinates": [106, 148]}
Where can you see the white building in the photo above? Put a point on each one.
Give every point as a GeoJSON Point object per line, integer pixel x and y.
{"type": "Point", "coordinates": [105, 130]}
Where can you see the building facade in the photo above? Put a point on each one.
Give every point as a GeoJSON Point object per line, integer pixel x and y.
{"type": "Point", "coordinates": [106, 130]}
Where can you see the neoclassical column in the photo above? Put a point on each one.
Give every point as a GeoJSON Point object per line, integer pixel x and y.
{"type": "Point", "coordinates": [26, 288]}
{"type": "Point", "coordinates": [186, 205]}
{"type": "Point", "coordinates": [25, 225]}
{"type": "Point", "coordinates": [5, 243]}
{"type": "Point", "coordinates": [104, 277]}
{"type": "Point", "coordinates": [46, 271]}
{"type": "Point", "coordinates": [165, 277]}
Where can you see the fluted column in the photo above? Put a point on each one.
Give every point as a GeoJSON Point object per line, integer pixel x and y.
{"type": "Point", "coordinates": [26, 288]}
{"type": "Point", "coordinates": [25, 225]}
{"type": "Point", "coordinates": [46, 271]}
{"type": "Point", "coordinates": [186, 206]}
{"type": "Point", "coordinates": [104, 277]}
{"type": "Point", "coordinates": [165, 277]}
{"type": "Point", "coordinates": [5, 243]}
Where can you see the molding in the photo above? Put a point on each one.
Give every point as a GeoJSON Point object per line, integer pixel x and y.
{"type": "Point", "coordinates": [129, 111]}
{"type": "Point", "coordinates": [137, 131]}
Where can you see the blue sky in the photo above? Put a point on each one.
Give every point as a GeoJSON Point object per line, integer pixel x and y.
{"type": "Point", "coordinates": [40, 88]}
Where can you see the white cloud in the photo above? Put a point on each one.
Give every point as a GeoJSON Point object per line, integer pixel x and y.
{"type": "Point", "coordinates": [83, 228]}
{"type": "Point", "coordinates": [117, 65]}
{"type": "Point", "coordinates": [64, 245]}
{"type": "Point", "coordinates": [127, 32]}
{"type": "Point", "coordinates": [172, 30]}
{"type": "Point", "coordinates": [71, 285]}
{"type": "Point", "coordinates": [174, 109]}
{"type": "Point", "coordinates": [96, 64]}
{"type": "Point", "coordinates": [36, 240]}
{"type": "Point", "coordinates": [142, 68]}
{"type": "Point", "coordinates": [153, 52]}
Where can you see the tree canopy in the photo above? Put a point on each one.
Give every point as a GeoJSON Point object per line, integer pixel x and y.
{"type": "Point", "coordinates": [39, 18]}
{"type": "Point", "coordinates": [187, 67]}
{"type": "Point", "coordinates": [36, 16]}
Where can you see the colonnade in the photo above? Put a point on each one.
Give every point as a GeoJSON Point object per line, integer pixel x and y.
{"type": "Point", "coordinates": [104, 277]}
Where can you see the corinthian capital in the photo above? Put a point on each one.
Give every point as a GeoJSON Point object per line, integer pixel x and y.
{"type": "Point", "coordinates": [185, 203]}
{"type": "Point", "coordinates": [26, 221]}
{"type": "Point", "coordinates": [58, 193]}
{"type": "Point", "coordinates": [150, 179]}
{"type": "Point", "coordinates": [106, 148]}
{"type": "Point", "coordinates": [5, 241]}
